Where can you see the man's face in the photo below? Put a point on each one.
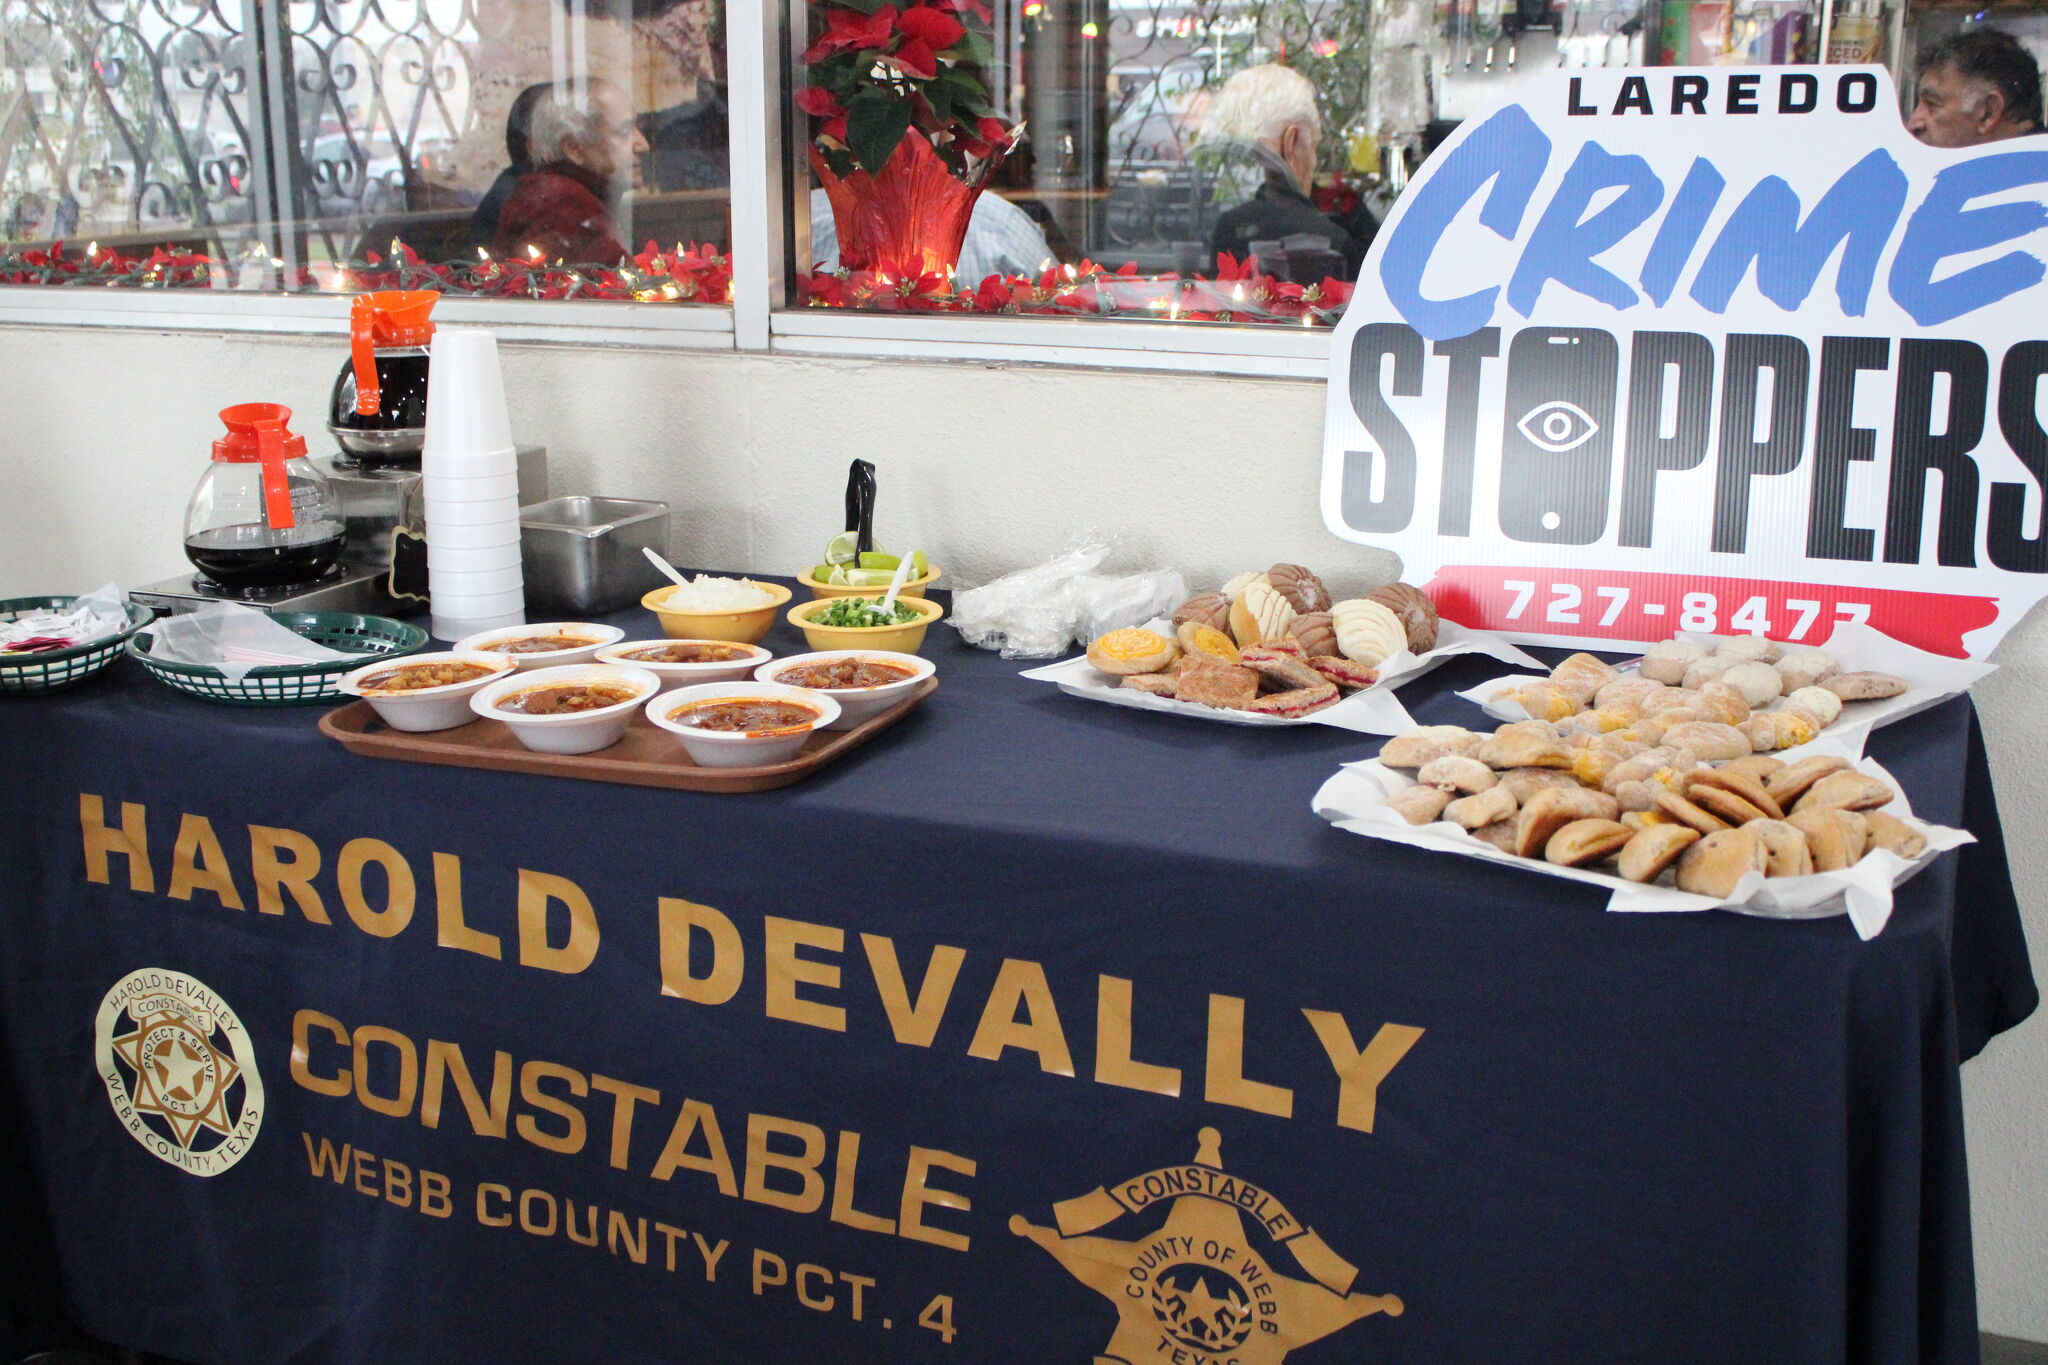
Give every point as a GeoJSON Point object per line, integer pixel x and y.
{"type": "Point", "coordinates": [1954, 110]}
{"type": "Point", "coordinates": [616, 145]}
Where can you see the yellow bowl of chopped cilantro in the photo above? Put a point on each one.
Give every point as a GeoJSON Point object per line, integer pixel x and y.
{"type": "Point", "coordinates": [857, 623]}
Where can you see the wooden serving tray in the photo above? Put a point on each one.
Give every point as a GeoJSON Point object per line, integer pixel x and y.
{"type": "Point", "coordinates": [646, 756]}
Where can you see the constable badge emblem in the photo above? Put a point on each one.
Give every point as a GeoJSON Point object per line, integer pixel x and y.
{"type": "Point", "coordinates": [180, 1070]}
{"type": "Point", "coordinates": [1196, 1292]}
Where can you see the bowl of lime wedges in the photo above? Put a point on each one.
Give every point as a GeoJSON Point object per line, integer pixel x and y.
{"type": "Point", "coordinates": [849, 573]}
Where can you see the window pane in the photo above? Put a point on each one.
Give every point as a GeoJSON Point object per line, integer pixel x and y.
{"type": "Point", "coordinates": [519, 148]}
{"type": "Point", "coordinates": [1123, 145]}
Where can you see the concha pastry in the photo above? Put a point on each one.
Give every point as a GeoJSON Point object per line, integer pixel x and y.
{"type": "Point", "coordinates": [1368, 632]}
{"type": "Point", "coordinates": [1260, 613]}
{"type": "Point", "coordinates": [1302, 589]}
{"type": "Point", "coordinates": [1211, 609]}
{"type": "Point", "coordinates": [1238, 584]}
{"type": "Point", "coordinates": [1317, 636]}
{"type": "Point", "coordinates": [1417, 613]}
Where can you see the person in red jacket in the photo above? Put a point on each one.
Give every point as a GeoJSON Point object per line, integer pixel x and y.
{"type": "Point", "coordinates": [586, 148]}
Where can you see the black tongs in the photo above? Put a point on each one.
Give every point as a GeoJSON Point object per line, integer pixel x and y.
{"type": "Point", "coordinates": [860, 505]}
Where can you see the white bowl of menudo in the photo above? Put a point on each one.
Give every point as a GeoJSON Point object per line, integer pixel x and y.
{"type": "Point", "coordinates": [865, 682]}
{"type": "Point", "coordinates": [423, 692]}
{"type": "Point", "coordinates": [574, 709]}
{"type": "Point", "coordinates": [742, 724]}
{"type": "Point", "coordinates": [678, 663]}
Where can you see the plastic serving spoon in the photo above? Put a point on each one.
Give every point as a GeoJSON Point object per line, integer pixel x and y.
{"type": "Point", "coordinates": [896, 586]}
{"type": "Point", "coordinates": [666, 567]}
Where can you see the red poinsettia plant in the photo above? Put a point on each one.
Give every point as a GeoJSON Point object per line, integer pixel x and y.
{"type": "Point", "coordinates": [879, 71]}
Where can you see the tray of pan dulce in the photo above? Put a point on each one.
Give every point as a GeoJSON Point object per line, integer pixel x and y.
{"type": "Point", "coordinates": [576, 700]}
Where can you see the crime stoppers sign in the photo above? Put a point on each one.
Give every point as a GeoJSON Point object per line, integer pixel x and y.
{"type": "Point", "coordinates": [1720, 350]}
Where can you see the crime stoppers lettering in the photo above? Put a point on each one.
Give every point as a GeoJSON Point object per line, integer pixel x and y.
{"type": "Point", "coordinates": [1198, 1291]}
{"type": "Point", "coordinates": [180, 1070]}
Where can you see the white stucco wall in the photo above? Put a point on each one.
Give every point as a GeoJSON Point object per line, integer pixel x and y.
{"type": "Point", "coordinates": [987, 467]}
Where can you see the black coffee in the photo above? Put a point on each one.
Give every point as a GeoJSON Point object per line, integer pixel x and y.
{"type": "Point", "coordinates": [402, 375]}
{"type": "Point", "coordinates": [249, 556]}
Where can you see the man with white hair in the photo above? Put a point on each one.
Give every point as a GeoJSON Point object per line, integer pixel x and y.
{"type": "Point", "coordinates": [585, 146]}
{"type": "Point", "coordinates": [1272, 109]}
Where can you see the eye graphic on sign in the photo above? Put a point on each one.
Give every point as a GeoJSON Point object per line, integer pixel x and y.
{"type": "Point", "coordinates": [1558, 426]}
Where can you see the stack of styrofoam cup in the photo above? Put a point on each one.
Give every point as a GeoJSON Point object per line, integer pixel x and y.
{"type": "Point", "coordinates": [470, 474]}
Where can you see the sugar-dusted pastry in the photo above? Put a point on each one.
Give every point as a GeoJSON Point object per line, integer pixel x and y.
{"type": "Point", "coordinates": [1717, 863]}
{"type": "Point", "coordinates": [1758, 766]}
{"type": "Point", "coordinates": [1644, 765]}
{"type": "Point", "coordinates": [1585, 841]}
{"type": "Point", "coordinates": [1551, 809]}
{"type": "Point", "coordinates": [1341, 671]}
{"type": "Point", "coordinates": [1817, 702]}
{"type": "Point", "coordinates": [1581, 675]}
{"type": "Point", "coordinates": [1419, 805]}
{"type": "Point", "coordinates": [1458, 774]}
{"type": "Point", "coordinates": [1790, 782]}
{"type": "Point", "coordinates": [1687, 812]}
{"type": "Point", "coordinates": [1783, 729]}
{"type": "Point", "coordinates": [1545, 700]}
{"type": "Point", "coordinates": [1282, 669]}
{"type": "Point", "coordinates": [1367, 632]}
{"type": "Point", "coordinates": [1742, 785]}
{"type": "Point", "coordinates": [1132, 650]}
{"type": "Point", "coordinates": [1838, 838]}
{"type": "Point", "coordinates": [1524, 744]}
{"type": "Point", "coordinates": [1601, 755]}
{"type": "Point", "coordinates": [1625, 690]}
{"type": "Point", "coordinates": [1211, 609]}
{"type": "Point", "coordinates": [1706, 670]}
{"type": "Point", "coordinates": [1605, 720]}
{"type": "Point", "coordinates": [1759, 683]}
{"type": "Point", "coordinates": [1670, 699]}
{"type": "Point", "coordinates": [1724, 702]}
{"type": "Point", "coordinates": [1196, 638]}
{"type": "Point", "coordinates": [1501, 834]}
{"type": "Point", "coordinates": [1313, 631]}
{"type": "Point", "coordinates": [1302, 589]}
{"type": "Point", "coordinates": [1481, 808]}
{"type": "Point", "coordinates": [1417, 613]}
{"type": "Point", "coordinates": [1710, 741]}
{"type": "Point", "coordinates": [1635, 797]}
{"type": "Point", "coordinates": [1889, 832]}
{"type": "Point", "coordinates": [1666, 662]}
{"type": "Point", "coordinates": [1748, 647]}
{"type": "Point", "coordinates": [1164, 683]}
{"type": "Point", "coordinates": [1846, 790]}
{"type": "Point", "coordinates": [1285, 644]}
{"type": "Point", "coordinates": [1727, 805]}
{"type": "Point", "coordinates": [1424, 743]}
{"type": "Point", "coordinates": [1213, 682]}
{"type": "Point", "coordinates": [1260, 613]}
{"type": "Point", "coordinates": [1526, 782]}
{"type": "Point", "coordinates": [1865, 686]}
{"type": "Point", "coordinates": [1805, 667]}
{"type": "Point", "coordinates": [1292, 705]}
{"type": "Point", "coordinates": [1652, 848]}
{"type": "Point", "coordinates": [1786, 852]}
{"type": "Point", "coordinates": [1237, 585]}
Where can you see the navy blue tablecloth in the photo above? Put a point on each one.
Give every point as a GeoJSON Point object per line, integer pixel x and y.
{"type": "Point", "coordinates": [1036, 1051]}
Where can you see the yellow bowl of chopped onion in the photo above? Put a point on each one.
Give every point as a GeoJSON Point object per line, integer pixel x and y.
{"type": "Point", "coordinates": [736, 609]}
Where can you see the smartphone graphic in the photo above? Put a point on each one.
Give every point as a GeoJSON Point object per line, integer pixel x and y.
{"type": "Point", "coordinates": [1557, 434]}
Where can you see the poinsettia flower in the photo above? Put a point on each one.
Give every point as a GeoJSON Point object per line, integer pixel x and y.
{"type": "Point", "coordinates": [834, 130]}
{"type": "Point", "coordinates": [915, 58]}
{"type": "Point", "coordinates": [818, 102]}
{"type": "Point", "coordinates": [974, 7]}
{"type": "Point", "coordinates": [932, 26]}
{"type": "Point", "coordinates": [851, 31]}
{"type": "Point", "coordinates": [1228, 267]}
{"type": "Point", "coordinates": [993, 130]}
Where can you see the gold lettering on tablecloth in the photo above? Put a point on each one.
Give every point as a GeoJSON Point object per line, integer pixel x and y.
{"type": "Point", "coordinates": [397, 1106]}
{"type": "Point", "coordinates": [624, 1096]}
{"type": "Point", "coordinates": [1114, 1064]}
{"type": "Point", "coordinates": [537, 891]}
{"type": "Point", "coordinates": [920, 1194]}
{"type": "Point", "coordinates": [445, 1063]}
{"type": "Point", "coordinates": [1359, 1073]}
{"type": "Point", "coordinates": [696, 1116]}
{"type": "Point", "coordinates": [679, 921]}
{"type": "Point", "coordinates": [399, 889]}
{"type": "Point", "coordinates": [130, 841]}
{"type": "Point", "coordinates": [786, 971]}
{"type": "Point", "coordinates": [198, 863]}
{"type": "Point", "coordinates": [304, 1022]}
{"type": "Point", "coordinates": [845, 1167]}
{"type": "Point", "coordinates": [809, 1195]}
{"type": "Point", "coordinates": [272, 873]}
{"type": "Point", "coordinates": [570, 1140]}
{"type": "Point", "coordinates": [450, 923]}
{"type": "Point", "coordinates": [916, 1024]}
{"type": "Point", "coordinates": [1224, 1081]}
{"type": "Point", "coordinates": [1020, 983]}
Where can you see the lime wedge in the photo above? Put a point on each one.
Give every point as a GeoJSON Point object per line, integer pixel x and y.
{"type": "Point", "coordinates": [919, 565]}
{"type": "Point", "coordinates": [875, 559]}
{"type": "Point", "coordinates": [837, 578]}
{"type": "Point", "coordinates": [821, 573]}
{"type": "Point", "coordinates": [842, 548]}
{"type": "Point", "coordinates": [869, 578]}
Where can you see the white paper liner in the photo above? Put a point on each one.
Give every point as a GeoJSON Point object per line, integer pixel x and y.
{"type": "Point", "coordinates": [1930, 678]}
{"type": "Point", "coordinates": [95, 616]}
{"type": "Point", "coordinates": [1355, 800]}
{"type": "Point", "coordinates": [234, 639]}
{"type": "Point", "coordinates": [1373, 710]}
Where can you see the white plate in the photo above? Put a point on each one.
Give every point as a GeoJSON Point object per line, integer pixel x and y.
{"type": "Point", "coordinates": [1372, 711]}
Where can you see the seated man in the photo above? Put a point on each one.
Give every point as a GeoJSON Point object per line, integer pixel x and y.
{"type": "Point", "coordinates": [483, 223]}
{"type": "Point", "coordinates": [1273, 109]}
{"type": "Point", "coordinates": [586, 150]}
{"type": "Point", "coordinates": [1001, 240]}
{"type": "Point", "coordinates": [1980, 86]}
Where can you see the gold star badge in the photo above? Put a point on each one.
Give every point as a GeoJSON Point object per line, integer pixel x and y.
{"type": "Point", "coordinates": [1197, 1292]}
{"type": "Point", "coordinates": [179, 1075]}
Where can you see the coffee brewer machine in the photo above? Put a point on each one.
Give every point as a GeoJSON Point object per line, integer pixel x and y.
{"type": "Point", "coordinates": [365, 499]}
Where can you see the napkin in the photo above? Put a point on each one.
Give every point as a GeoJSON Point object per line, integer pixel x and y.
{"type": "Point", "coordinates": [234, 639]}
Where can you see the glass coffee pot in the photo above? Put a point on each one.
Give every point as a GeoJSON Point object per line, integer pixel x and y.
{"type": "Point", "coordinates": [262, 516]}
{"type": "Point", "coordinates": [378, 413]}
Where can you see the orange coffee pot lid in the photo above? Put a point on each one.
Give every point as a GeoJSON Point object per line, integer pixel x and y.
{"type": "Point", "coordinates": [257, 432]}
{"type": "Point", "coordinates": [393, 317]}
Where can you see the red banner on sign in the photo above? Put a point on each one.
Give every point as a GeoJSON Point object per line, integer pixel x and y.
{"type": "Point", "coordinates": [1639, 607]}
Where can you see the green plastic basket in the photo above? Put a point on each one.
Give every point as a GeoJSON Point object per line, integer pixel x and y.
{"type": "Point", "coordinates": [60, 667]}
{"type": "Point", "coordinates": [365, 637]}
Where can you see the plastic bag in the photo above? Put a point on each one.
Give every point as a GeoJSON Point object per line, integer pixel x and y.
{"type": "Point", "coordinates": [234, 639]}
{"type": "Point", "coordinates": [1039, 612]}
{"type": "Point", "coordinates": [95, 616]}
